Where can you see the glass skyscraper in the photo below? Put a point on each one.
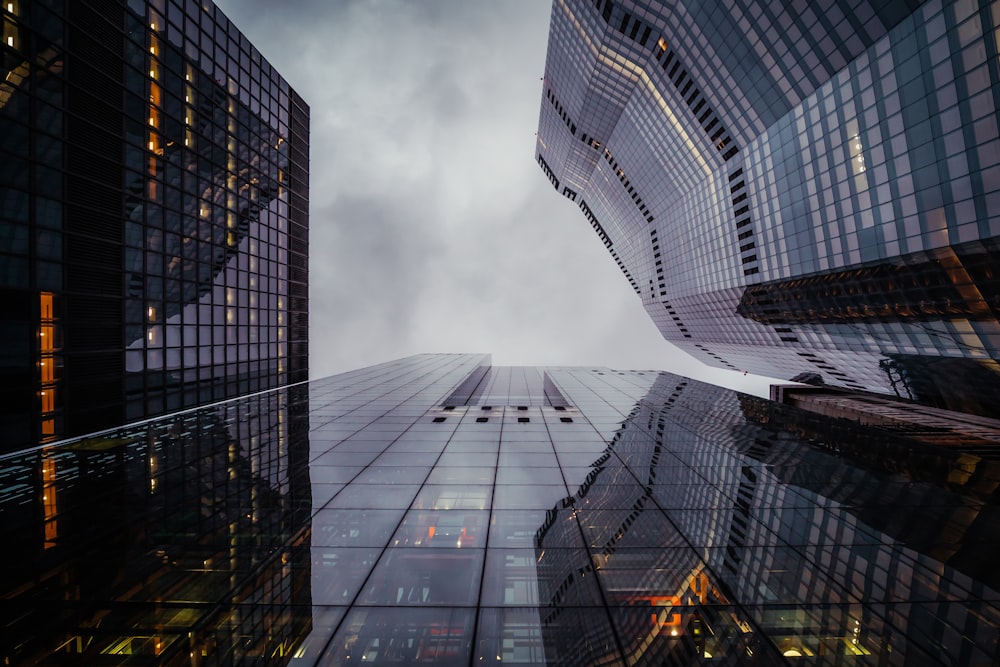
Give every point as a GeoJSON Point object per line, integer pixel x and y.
{"type": "Point", "coordinates": [793, 189]}
{"type": "Point", "coordinates": [153, 215]}
{"type": "Point", "coordinates": [441, 510]}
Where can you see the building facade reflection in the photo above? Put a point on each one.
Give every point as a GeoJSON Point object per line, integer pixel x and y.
{"type": "Point", "coordinates": [183, 541]}
{"type": "Point", "coordinates": [753, 527]}
{"type": "Point", "coordinates": [442, 510]}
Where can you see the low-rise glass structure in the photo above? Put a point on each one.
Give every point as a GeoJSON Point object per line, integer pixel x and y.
{"type": "Point", "coordinates": [440, 510]}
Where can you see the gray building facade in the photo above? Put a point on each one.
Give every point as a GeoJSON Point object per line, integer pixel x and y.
{"type": "Point", "coordinates": [793, 188]}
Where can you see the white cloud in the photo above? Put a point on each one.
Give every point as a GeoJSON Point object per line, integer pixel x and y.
{"type": "Point", "coordinates": [432, 228]}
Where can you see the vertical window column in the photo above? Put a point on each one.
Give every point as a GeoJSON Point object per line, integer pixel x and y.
{"type": "Point", "coordinates": [48, 346]}
{"type": "Point", "coordinates": [154, 327]}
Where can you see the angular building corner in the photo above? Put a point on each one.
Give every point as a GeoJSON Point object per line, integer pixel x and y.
{"type": "Point", "coordinates": [154, 213]}
{"type": "Point", "coordinates": [793, 190]}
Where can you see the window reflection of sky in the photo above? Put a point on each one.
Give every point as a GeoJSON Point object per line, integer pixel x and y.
{"type": "Point", "coordinates": [682, 538]}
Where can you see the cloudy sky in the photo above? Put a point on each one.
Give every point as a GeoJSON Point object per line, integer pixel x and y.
{"type": "Point", "coordinates": [432, 229]}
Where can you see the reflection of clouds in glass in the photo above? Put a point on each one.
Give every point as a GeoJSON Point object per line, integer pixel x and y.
{"type": "Point", "coordinates": [709, 525]}
{"type": "Point", "coordinates": [250, 316]}
{"type": "Point", "coordinates": [195, 220]}
{"type": "Point", "coordinates": [219, 492]}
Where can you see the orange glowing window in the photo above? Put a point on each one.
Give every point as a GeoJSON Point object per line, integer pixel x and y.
{"type": "Point", "coordinates": [46, 330]}
{"type": "Point", "coordinates": [46, 337]}
{"type": "Point", "coordinates": [45, 305]}
{"type": "Point", "coordinates": [49, 501]}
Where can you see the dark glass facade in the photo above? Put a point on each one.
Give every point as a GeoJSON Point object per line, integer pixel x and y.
{"type": "Point", "coordinates": [154, 214]}
{"type": "Point", "coordinates": [791, 187]}
{"type": "Point", "coordinates": [440, 510]}
{"type": "Point", "coordinates": [169, 543]}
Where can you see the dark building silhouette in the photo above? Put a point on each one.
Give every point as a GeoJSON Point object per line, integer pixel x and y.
{"type": "Point", "coordinates": [182, 541]}
{"type": "Point", "coordinates": [154, 213]}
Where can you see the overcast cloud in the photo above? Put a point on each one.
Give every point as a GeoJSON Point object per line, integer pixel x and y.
{"type": "Point", "coordinates": [431, 227]}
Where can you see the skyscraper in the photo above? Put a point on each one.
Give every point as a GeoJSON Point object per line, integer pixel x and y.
{"type": "Point", "coordinates": [441, 510]}
{"type": "Point", "coordinates": [793, 188]}
{"type": "Point", "coordinates": [153, 215]}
